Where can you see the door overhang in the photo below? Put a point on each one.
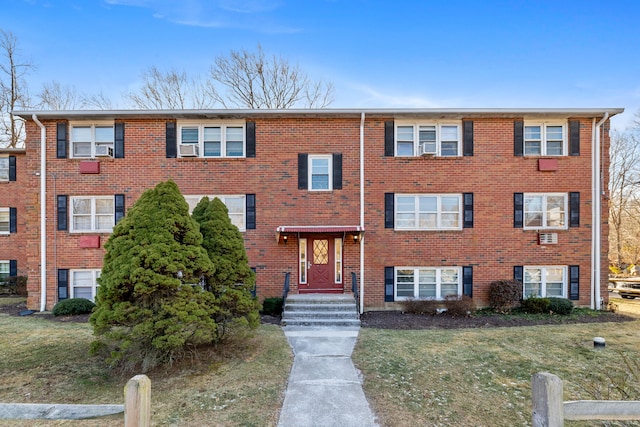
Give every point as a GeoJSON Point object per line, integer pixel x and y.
{"type": "Point", "coordinates": [283, 231]}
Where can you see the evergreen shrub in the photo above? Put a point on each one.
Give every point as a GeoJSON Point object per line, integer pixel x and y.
{"type": "Point", "coordinates": [73, 306]}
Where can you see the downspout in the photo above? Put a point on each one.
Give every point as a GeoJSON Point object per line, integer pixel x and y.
{"type": "Point", "coordinates": [362, 212]}
{"type": "Point", "coordinates": [43, 214]}
{"type": "Point", "coordinates": [596, 240]}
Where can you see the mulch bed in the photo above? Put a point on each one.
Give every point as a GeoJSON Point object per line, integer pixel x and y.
{"type": "Point", "coordinates": [396, 319]}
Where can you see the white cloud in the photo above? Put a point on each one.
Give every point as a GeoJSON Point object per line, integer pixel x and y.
{"type": "Point", "coordinates": [255, 15]}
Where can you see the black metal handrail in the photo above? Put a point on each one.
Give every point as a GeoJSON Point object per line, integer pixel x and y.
{"type": "Point", "coordinates": [354, 289]}
{"type": "Point", "coordinates": [285, 290]}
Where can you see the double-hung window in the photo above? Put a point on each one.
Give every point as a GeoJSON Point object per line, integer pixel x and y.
{"type": "Point", "coordinates": [428, 212]}
{"type": "Point", "coordinates": [5, 270]}
{"type": "Point", "coordinates": [5, 221]}
{"type": "Point", "coordinates": [212, 139]}
{"type": "Point", "coordinates": [4, 168]}
{"type": "Point", "coordinates": [83, 284]}
{"type": "Point", "coordinates": [545, 210]}
{"type": "Point", "coordinates": [437, 139]}
{"type": "Point", "coordinates": [544, 139]}
{"type": "Point", "coordinates": [320, 172]}
{"type": "Point", "coordinates": [236, 205]}
{"type": "Point", "coordinates": [92, 139]}
{"type": "Point", "coordinates": [92, 213]}
{"type": "Point", "coordinates": [427, 282]}
{"type": "Point", "coordinates": [548, 281]}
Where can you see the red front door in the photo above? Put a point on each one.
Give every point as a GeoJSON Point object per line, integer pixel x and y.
{"type": "Point", "coordinates": [323, 270]}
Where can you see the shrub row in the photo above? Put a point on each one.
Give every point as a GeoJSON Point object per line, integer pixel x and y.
{"type": "Point", "coordinates": [453, 305]}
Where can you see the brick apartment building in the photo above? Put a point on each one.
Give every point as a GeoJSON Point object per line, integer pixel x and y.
{"type": "Point", "coordinates": [413, 203]}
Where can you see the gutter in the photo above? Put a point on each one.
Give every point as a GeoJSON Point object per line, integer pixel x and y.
{"type": "Point", "coordinates": [43, 214]}
{"type": "Point", "coordinates": [596, 194]}
{"type": "Point", "coordinates": [362, 212]}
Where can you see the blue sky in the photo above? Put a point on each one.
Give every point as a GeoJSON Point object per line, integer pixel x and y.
{"type": "Point", "coordinates": [378, 54]}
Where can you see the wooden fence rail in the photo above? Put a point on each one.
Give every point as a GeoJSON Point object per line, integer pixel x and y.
{"type": "Point", "coordinates": [136, 408]}
{"type": "Point", "coordinates": [549, 409]}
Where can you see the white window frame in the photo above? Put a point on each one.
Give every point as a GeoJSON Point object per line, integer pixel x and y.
{"type": "Point", "coordinates": [543, 284]}
{"type": "Point", "coordinates": [310, 174]}
{"type": "Point", "coordinates": [545, 211]}
{"type": "Point", "coordinates": [6, 211]}
{"type": "Point", "coordinates": [416, 212]}
{"type": "Point", "coordinates": [544, 138]}
{"type": "Point", "coordinates": [92, 141]}
{"type": "Point", "coordinates": [416, 282]}
{"type": "Point", "coordinates": [95, 273]}
{"type": "Point", "coordinates": [438, 125]}
{"type": "Point", "coordinates": [5, 265]}
{"type": "Point", "coordinates": [93, 214]}
{"type": "Point", "coordinates": [338, 249]}
{"type": "Point", "coordinates": [200, 125]}
{"type": "Point", "coordinates": [240, 218]}
{"type": "Point", "coordinates": [302, 261]}
{"type": "Point", "coordinates": [4, 171]}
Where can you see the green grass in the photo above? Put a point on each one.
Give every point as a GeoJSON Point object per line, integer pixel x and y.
{"type": "Point", "coordinates": [240, 384]}
{"type": "Point", "coordinates": [464, 377]}
{"type": "Point", "coordinates": [482, 377]}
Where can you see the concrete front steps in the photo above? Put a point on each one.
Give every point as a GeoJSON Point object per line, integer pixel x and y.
{"type": "Point", "coordinates": [325, 310]}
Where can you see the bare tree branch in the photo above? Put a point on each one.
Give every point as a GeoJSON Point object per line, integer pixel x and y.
{"type": "Point", "coordinates": [246, 79]}
{"type": "Point", "coordinates": [14, 93]}
{"type": "Point", "coordinates": [171, 90]}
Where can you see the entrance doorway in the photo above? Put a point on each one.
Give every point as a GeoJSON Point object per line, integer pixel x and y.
{"type": "Point", "coordinates": [320, 264]}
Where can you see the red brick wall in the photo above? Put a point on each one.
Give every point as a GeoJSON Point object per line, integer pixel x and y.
{"type": "Point", "coordinates": [493, 174]}
{"type": "Point", "coordinates": [12, 195]}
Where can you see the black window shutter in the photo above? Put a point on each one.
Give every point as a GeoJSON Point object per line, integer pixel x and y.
{"type": "Point", "coordinates": [251, 139]}
{"type": "Point", "coordinates": [574, 137]}
{"type": "Point", "coordinates": [337, 171]}
{"type": "Point", "coordinates": [13, 220]}
{"type": "Point", "coordinates": [118, 200]}
{"type": "Point", "coordinates": [62, 212]}
{"type": "Point", "coordinates": [468, 210]}
{"type": "Point", "coordinates": [13, 267]}
{"type": "Point", "coordinates": [388, 285]}
{"type": "Point", "coordinates": [467, 281]}
{"type": "Point", "coordinates": [118, 145]}
{"type": "Point", "coordinates": [63, 283]}
{"type": "Point", "coordinates": [467, 137]}
{"type": "Point", "coordinates": [574, 282]}
{"type": "Point", "coordinates": [12, 168]}
{"type": "Point", "coordinates": [518, 273]}
{"type": "Point", "coordinates": [518, 210]}
{"type": "Point", "coordinates": [61, 141]}
{"type": "Point", "coordinates": [518, 138]}
{"type": "Point", "coordinates": [389, 211]}
{"type": "Point", "coordinates": [250, 201]}
{"type": "Point", "coordinates": [574, 209]}
{"type": "Point", "coordinates": [389, 138]}
{"type": "Point", "coordinates": [171, 141]}
{"type": "Point", "coordinates": [303, 160]}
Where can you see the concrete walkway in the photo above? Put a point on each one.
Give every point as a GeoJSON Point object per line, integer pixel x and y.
{"type": "Point", "coordinates": [324, 388]}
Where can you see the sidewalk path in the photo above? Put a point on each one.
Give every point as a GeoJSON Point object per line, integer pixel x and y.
{"type": "Point", "coordinates": [324, 388]}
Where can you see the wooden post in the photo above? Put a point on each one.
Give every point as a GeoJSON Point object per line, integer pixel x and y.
{"type": "Point", "coordinates": [137, 402]}
{"type": "Point", "coordinates": [548, 403]}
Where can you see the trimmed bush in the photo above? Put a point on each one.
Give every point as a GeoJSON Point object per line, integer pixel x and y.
{"type": "Point", "coordinates": [561, 306]}
{"type": "Point", "coordinates": [73, 306]}
{"type": "Point", "coordinates": [459, 306]}
{"type": "Point", "coordinates": [504, 295]}
{"type": "Point", "coordinates": [272, 306]}
{"type": "Point", "coordinates": [421, 306]}
{"type": "Point", "coordinates": [535, 305]}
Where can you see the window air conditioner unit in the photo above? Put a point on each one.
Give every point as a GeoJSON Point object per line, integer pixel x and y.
{"type": "Point", "coordinates": [188, 150]}
{"type": "Point", "coordinates": [104, 151]}
{"type": "Point", "coordinates": [547, 238]}
{"type": "Point", "coordinates": [426, 149]}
